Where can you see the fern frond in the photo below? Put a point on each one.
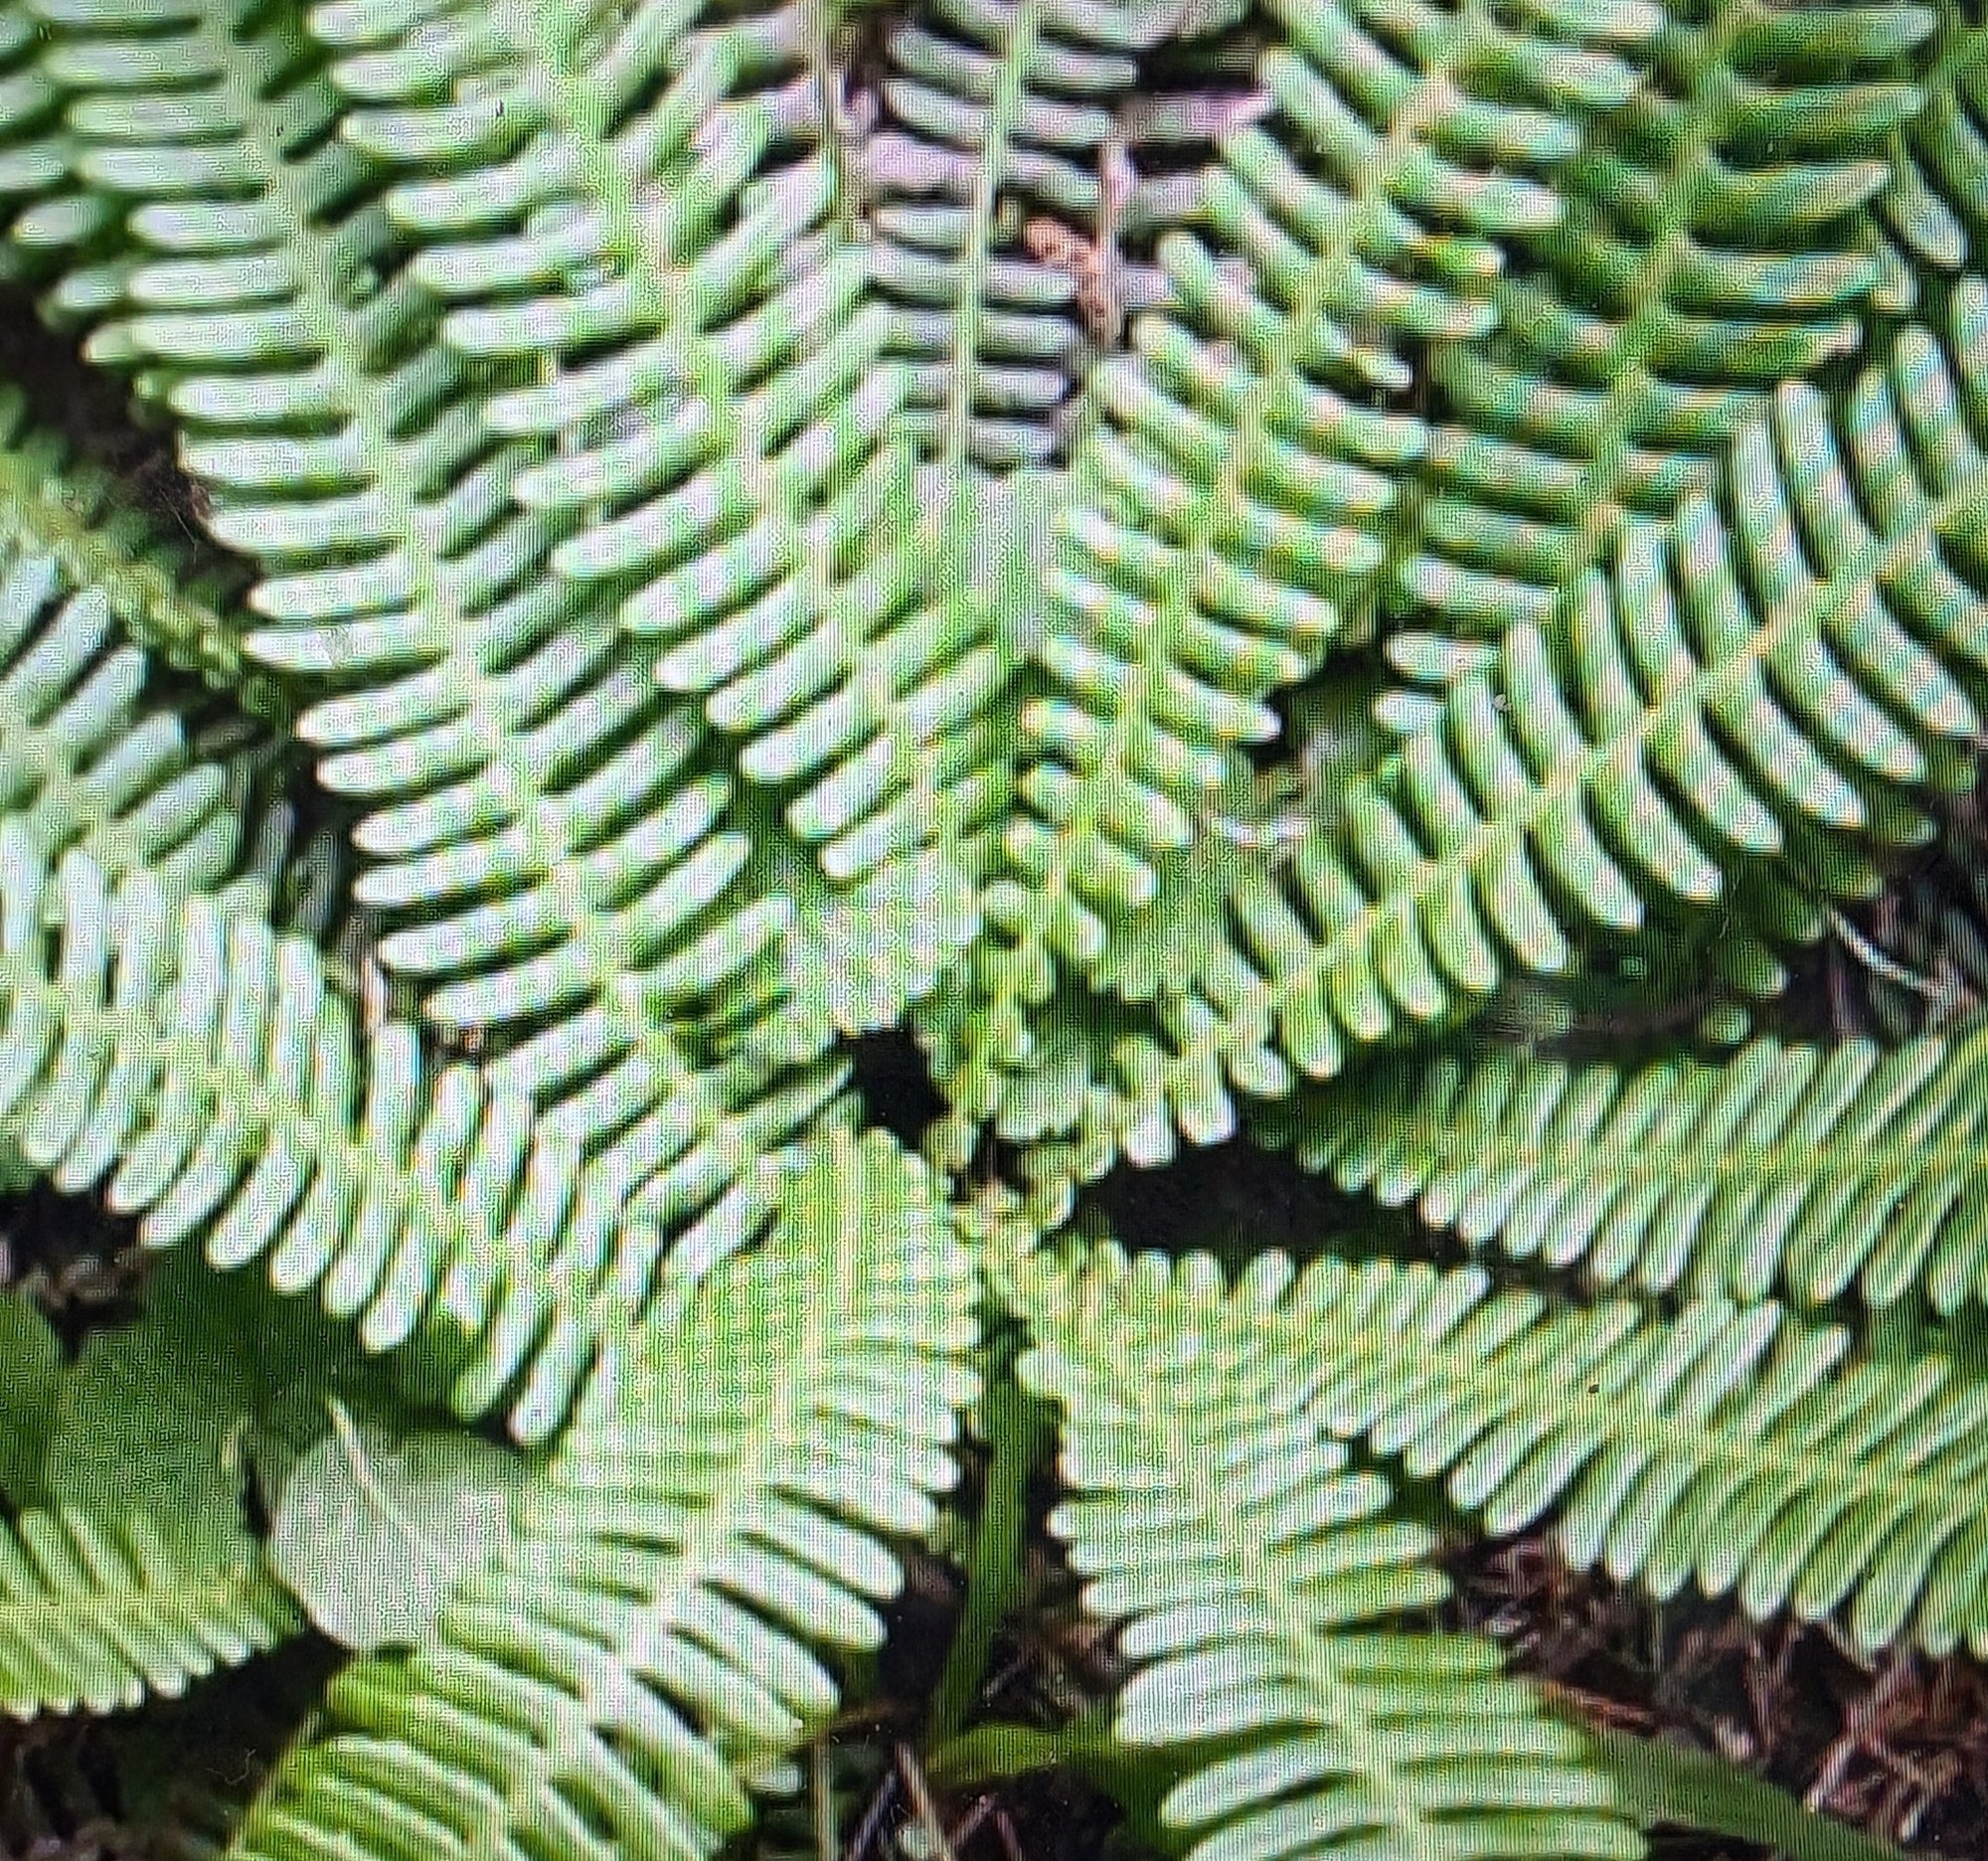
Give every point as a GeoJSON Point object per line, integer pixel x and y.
{"type": "Point", "coordinates": [201, 1065]}
{"type": "Point", "coordinates": [1797, 1168]}
{"type": "Point", "coordinates": [1734, 1445]}
{"type": "Point", "coordinates": [1730, 1444]}
{"type": "Point", "coordinates": [1255, 1576]}
{"type": "Point", "coordinates": [1739, 716]}
{"type": "Point", "coordinates": [80, 764]}
{"type": "Point", "coordinates": [180, 611]}
{"type": "Point", "coordinates": [1930, 220]}
{"type": "Point", "coordinates": [732, 408]}
{"type": "Point", "coordinates": [1234, 496]}
{"type": "Point", "coordinates": [715, 1516]}
{"type": "Point", "coordinates": [994, 110]}
{"type": "Point", "coordinates": [97, 1612]}
{"type": "Point", "coordinates": [1709, 251]}
{"type": "Point", "coordinates": [553, 862]}
{"type": "Point", "coordinates": [52, 221]}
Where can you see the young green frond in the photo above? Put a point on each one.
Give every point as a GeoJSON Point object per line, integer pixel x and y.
{"type": "Point", "coordinates": [1707, 252]}
{"type": "Point", "coordinates": [1746, 710]}
{"type": "Point", "coordinates": [97, 1612]}
{"type": "Point", "coordinates": [559, 871]}
{"type": "Point", "coordinates": [1927, 224]}
{"type": "Point", "coordinates": [1239, 484]}
{"type": "Point", "coordinates": [200, 1066]}
{"type": "Point", "coordinates": [1256, 1577]}
{"type": "Point", "coordinates": [1806, 1171]}
{"type": "Point", "coordinates": [731, 480]}
{"type": "Point", "coordinates": [715, 1518]}
{"type": "Point", "coordinates": [992, 113]}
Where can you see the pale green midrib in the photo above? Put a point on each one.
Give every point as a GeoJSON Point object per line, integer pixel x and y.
{"type": "Point", "coordinates": [969, 314]}
{"type": "Point", "coordinates": [710, 1531]}
{"type": "Point", "coordinates": [363, 400]}
{"type": "Point", "coordinates": [1598, 496]}
{"type": "Point", "coordinates": [665, 302]}
{"type": "Point", "coordinates": [1025, 26]}
{"type": "Point", "coordinates": [1260, 1577]}
{"type": "Point", "coordinates": [1582, 1159]}
{"type": "Point", "coordinates": [798, 1385]}
{"type": "Point", "coordinates": [1436, 89]}
{"type": "Point", "coordinates": [1937, 516]}
{"type": "Point", "coordinates": [305, 1128]}
{"type": "Point", "coordinates": [41, 510]}
{"type": "Point", "coordinates": [1436, 1375]}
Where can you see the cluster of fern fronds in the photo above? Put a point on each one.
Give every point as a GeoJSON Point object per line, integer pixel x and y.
{"type": "Point", "coordinates": [1390, 577]}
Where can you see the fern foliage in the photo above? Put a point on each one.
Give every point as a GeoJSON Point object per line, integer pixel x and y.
{"type": "Point", "coordinates": [1731, 1445]}
{"type": "Point", "coordinates": [716, 1513]}
{"type": "Point", "coordinates": [998, 112]}
{"type": "Point", "coordinates": [1781, 1168]}
{"type": "Point", "coordinates": [1242, 490]}
{"type": "Point", "coordinates": [95, 1614]}
{"type": "Point", "coordinates": [1745, 713]}
{"type": "Point", "coordinates": [733, 526]}
{"type": "Point", "coordinates": [201, 1069]}
{"type": "Point", "coordinates": [1708, 253]}
{"type": "Point", "coordinates": [738, 515]}
{"type": "Point", "coordinates": [1214, 1515]}
{"type": "Point", "coordinates": [1928, 222]}
{"type": "Point", "coordinates": [1239, 491]}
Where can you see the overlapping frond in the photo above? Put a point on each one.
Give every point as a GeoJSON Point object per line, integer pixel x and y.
{"type": "Point", "coordinates": [990, 160]}
{"type": "Point", "coordinates": [732, 485]}
{"type": "Point", "coordinates": [1255, 1575]}
{"type": "Point", "coordinates": [1709, 251]}
{"type": "Point", "coordinates": [1928, 222]}
{"type": "Point", "coordinates": [199, 1066]}
{"type": "Point", "coordinates": [1740, 716]}
{"type": "Point", "coordinates": [182, 614]}
{"type": "Point", "coordinates": [715, 1518]}
{"type": "Point", "coordinates": [51, 219]}
{"type": "Point", "coordinates": [1733, 1446]}
{"type": "Point", "coordinates": [1238, 479]}
{"type": "Point", "coordinates": [97, 1612]}
{"type": "Point", "coordinates": [81, 764]}
{"type": "Point", "coordinates": [549, 830]}
{"type": "Point", "coordinates": [1798, 1169]}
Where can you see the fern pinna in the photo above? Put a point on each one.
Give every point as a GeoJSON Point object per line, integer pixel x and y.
{"type": "Point", "coordinates": [1396, 579]}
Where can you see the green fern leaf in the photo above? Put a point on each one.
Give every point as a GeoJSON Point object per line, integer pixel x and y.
{"type": "Point", "coordinates": [53, 221]}
{"type": "Point", "coordinates": [1929, 223]}
{"type": "Point", "coordinates": [202, 1065]}
{"type": "Point", "coordinates": [1741, 717]}
{"type": "Point", "coordinates": [1254, 1575]}
{"type": "Point", "coordinates": [1782, 1167]}
{"type": "Point", "coordinates": [715, 1515]}
{"type": "Point", "coordinates": [1708, 253]}
{"type": "Point", "coordinates": [1731, 1444]}
{"type": "Point", "coordinates": [554, 862]}
{"type": "Point", "coordinates": [730, 402]}
{"type": "Point", "coordinates": [1235, 497]}
{"type": "Point", "coordinates": [80, 766]}
{"type": "Point", "coordinates": [180, 610]}
{"type": "Point", "coordinates": [96, 1614]}
{"type": "Point", "coordinates": [1005, 107]}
